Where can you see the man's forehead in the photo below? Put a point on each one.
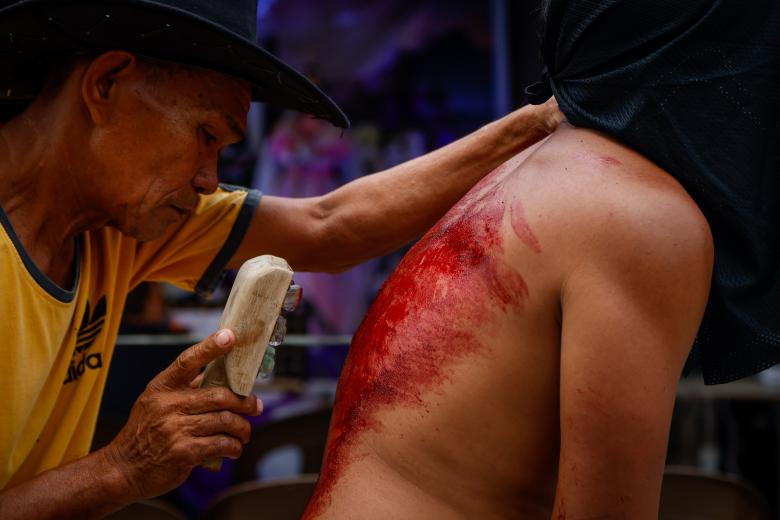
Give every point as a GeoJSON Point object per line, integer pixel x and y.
{"type": "Point", "coordinates": [221, 96]}
{"type": "Point", "coordinates": [211, 88]}
{"type": "Point", "coordinates": [211, 82]}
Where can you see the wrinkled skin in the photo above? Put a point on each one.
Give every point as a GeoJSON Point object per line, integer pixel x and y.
{"type": "Point", "coordinates": [118, 140]}
{"type": "Point", "coordinates": [165, 154]}
{"type": "Point", "coordinates": [174, 425]}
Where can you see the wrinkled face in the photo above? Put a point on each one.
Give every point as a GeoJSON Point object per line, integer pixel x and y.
{"type": "Point", "coordinates": [159, 149]}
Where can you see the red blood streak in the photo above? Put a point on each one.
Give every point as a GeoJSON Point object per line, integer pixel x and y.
{"type": "Point", "coordinates": [609, 161]}
{"type": "Point", "coordinates": [521, 228]}
{"type": "Point", "coordinates": [421, 324]}
{"type": "Point", "coordinates": [597, 160]}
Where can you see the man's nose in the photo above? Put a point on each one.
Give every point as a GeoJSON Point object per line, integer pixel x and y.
{"type": "Point", "coordinates": [206, 181]}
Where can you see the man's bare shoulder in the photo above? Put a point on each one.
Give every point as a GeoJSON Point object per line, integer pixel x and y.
{"type": "Point", "coordinates": [586, 196]}
{"type": "Point", "coordinates": [626, 255]}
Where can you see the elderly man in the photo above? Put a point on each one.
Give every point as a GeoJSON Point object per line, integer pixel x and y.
{"type": "Point", "coordinates": [114, 118]}
{"type": "Point", "coordinates": [522, 361]}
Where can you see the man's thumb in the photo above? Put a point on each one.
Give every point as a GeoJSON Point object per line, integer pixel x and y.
{"type": "Point", "coordinates": [189, 363]}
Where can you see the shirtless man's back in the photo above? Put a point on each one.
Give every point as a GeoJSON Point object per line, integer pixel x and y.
{"type": "Point", "coordinates": [522, 360]}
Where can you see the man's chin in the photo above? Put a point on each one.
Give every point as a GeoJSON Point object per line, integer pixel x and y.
{"type": "Point", "coordinates": [153, 225]}
{"type": "Point", "coordinates": [147, 233]}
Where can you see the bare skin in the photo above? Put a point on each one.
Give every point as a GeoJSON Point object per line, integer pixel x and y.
{"type": "Point", "coordinates": [173, 427]}
{"type": "Point", "coordinates": [99, 161]}
{"type": "Point", "coordinates": [132, 143]}
{"type": "Point", "coordinates": [523, 359]}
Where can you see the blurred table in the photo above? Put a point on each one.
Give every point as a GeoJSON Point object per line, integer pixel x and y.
{"type": "Point", "coordinates": [744, 390]}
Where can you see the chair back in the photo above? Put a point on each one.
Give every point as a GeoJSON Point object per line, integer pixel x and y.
{"type": "Point", "coordinates": [690, 494]}
{"type": "Point", "coordinates": [279, 500]}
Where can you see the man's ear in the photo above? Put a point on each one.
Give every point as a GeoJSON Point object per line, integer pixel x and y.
{"type": "Point", "coordinates": [101, 81]}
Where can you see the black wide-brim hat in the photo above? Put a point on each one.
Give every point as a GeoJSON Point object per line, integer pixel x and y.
{"type": "Point", "coordinates": [213, 34]}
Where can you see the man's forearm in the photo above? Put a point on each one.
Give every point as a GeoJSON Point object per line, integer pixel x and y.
{"type": "Point", "coordinates": [173, 427]}
{"type": "Point", "coordinates": [90, 487]}
{"type": "Point", "coordinates": [380, 212]}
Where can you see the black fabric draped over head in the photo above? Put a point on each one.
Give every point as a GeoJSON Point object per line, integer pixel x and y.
{"type": "Point", "coordinates": [694, 86]}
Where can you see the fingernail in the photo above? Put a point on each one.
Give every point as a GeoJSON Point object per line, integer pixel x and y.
{"type": "Point", "coordinates": [223, 337]}
{"type": "Point", "coordinates": [259, 406]}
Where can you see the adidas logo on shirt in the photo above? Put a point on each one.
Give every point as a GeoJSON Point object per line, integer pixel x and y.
{"type": "Point", "coordinates": [89, 330]}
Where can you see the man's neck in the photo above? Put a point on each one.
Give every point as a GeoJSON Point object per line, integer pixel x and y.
{"type": "Point", "coordinates": [40, 191]}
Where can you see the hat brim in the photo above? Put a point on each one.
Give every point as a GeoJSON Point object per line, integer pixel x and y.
{"type": "Point", "coordinates": [33, 29]}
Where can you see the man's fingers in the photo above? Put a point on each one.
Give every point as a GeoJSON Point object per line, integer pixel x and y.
{"type": "Point", "coordinates": [189, 363]}
{"type": "Point", "coordinates": [193, 451]}
{"type": "Point", "coordinates": [195, 383]}
{"type": "Point", "coordinates": [554, 116]}
{"type": "Point", "coordinates": [213, 399]}
{"type": "Point", "coordinates": [214, 447]}
{"type": "Point", "coordinates": [223, 422]}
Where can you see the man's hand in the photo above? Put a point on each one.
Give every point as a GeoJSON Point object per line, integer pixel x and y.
{"type": "Point", "coordinates": [173, 427]}
{"type": "Point", "coordinates": [550, 115]}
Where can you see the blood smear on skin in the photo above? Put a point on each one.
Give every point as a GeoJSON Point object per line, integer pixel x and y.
{"type": "Point", "coordinates": [609, 161]}
{"type": "Point", "coordinates": [521, 228]}
{"type": "Point", "coordinates": [422, 323]}
{"type": "Point", "coordinates": [597, 160]}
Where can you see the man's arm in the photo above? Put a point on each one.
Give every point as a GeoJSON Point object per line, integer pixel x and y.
{"type": "Point", "coordinates": [173, 427]}
{"type": "Point", "coordinates": [90, 487]}
{"type": "Point", "coordinates": [630, 312]}
{"type": "Point", "coordinates": [379, 213]}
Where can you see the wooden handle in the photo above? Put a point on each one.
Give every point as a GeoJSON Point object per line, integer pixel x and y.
{"type": "Point", "coordinates": [251, 312]}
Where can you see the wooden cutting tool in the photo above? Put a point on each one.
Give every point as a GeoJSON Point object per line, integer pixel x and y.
{"type": "Point", "coordinates": [261, 290]}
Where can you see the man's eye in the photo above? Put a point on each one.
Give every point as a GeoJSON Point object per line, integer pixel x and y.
{"type": "Point", "coordinates": [208, 136]}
